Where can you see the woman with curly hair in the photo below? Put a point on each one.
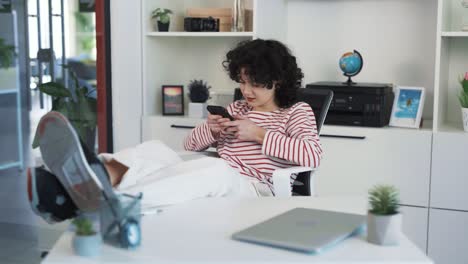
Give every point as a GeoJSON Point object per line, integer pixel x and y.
{"type": "Point", "coordinates": [272, 130]}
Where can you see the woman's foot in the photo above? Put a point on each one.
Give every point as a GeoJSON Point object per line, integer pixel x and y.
{"type": "Point", "coordinates": [79, 170]}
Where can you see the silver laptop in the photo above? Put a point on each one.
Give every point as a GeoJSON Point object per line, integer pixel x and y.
{"type": "Point", "coordinates": [305, 230]}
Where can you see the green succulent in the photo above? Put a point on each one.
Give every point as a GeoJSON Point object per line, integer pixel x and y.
{"type": "Point", "coordinates": [463, 96]}
{"type": "Point", "coordinates": [84, 226]}
{"type": "Point", "coordinates": [384, 200]}
{"type": "Point", "coordinates": [162, 15]}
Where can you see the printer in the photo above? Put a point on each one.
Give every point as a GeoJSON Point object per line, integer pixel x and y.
{"type": "Point", "coordinates": [358, 104]}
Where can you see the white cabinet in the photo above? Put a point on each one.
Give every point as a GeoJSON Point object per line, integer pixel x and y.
{"type": "Point", "coordinates": [415, 225]}
{"type": "Point", "coordinates": [387, 155]}
{"type": "Point", "coordinates": [448, 237]}
{"type": "Point", "coordinates": [170, 130]}
{"type": "Point", "coordinates": [449, 186]}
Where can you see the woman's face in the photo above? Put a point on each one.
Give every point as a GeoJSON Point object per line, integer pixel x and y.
{"type": "Point", "coordinates": [258, 97]}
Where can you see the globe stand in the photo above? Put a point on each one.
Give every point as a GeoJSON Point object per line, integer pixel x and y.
{"type": "Point", "coordinates": [349, 81]}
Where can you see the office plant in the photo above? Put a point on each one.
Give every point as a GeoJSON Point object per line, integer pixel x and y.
{"type": "Point", "coordinates": [86, 241]}
{"type": "Point", "coordinates": [75, 103]}
{"type": "Point", "coordinates": [199, 93]}
{"type": "Point", "coordinates": [384, 218]}
{"type": "Point", "coordinates": [162, 17]}
{"type": "Point", "coordinates": [463, 97]}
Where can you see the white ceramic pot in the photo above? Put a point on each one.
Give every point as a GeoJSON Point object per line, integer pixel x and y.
{"type": "Point", "coordinates": [87, 246]}
{"type": "Point", "coordinates": [384, 230]}
{"type": "Point", "coordinates": [465, 118]}
{"type": "Point", "coordinates": [197, 110]}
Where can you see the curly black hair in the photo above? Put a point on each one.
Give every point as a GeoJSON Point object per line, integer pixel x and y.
{"type": "Point", "coordinates": [266, 62]}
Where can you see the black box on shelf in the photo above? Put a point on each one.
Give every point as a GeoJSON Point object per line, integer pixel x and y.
{"type": "Point", "coordinates": [201, 24]}
{"type": "Point", "coordinates": [360, 104]}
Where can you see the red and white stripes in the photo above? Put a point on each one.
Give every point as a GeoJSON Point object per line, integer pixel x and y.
{"type": "Point", "coordinates": [291, 140]}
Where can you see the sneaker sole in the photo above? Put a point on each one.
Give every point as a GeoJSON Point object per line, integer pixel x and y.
{"type": "Point", "coordinates": [61, 150]}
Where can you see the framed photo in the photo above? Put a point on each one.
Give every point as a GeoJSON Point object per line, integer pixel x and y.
{"type": "Point", "coordinates": [407, 107]}
{"type": "Point", "coordinates": [173, 99]}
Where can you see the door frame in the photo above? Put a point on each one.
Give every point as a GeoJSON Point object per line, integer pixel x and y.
{"type": "Point", "coordinates": [104, 77]}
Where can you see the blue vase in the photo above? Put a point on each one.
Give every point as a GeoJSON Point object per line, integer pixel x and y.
{"type": "Point", "coordinates": [87, 246]}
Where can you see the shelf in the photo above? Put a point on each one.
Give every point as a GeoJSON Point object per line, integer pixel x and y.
{"type": "Point", "coordinates": [8, 91]}
{"type": "Point", "coordinates": [362, 131]}
{"type": "Point", "coordinates": [199, 34]}
{"type": "Point", "coordinates": [454, 34]}
{"type": "Point", "coordinates": [9, 165]}
{"type": "Point", "coordinates": [452, 128]}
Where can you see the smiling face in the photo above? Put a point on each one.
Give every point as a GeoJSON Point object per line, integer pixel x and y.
{"type": "Point", "coordinates": [257, 96]}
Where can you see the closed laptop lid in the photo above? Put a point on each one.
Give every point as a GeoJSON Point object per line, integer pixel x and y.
{"type": "Point", "coordinates": [303, 229]}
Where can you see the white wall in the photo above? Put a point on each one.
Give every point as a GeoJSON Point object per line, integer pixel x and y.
{"type": "Point", "coordinates": [126, 72]}
{"type": "Point", "coordinates": [395, 37]}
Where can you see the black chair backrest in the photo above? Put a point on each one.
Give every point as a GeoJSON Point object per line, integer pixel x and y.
{"type": "Point", "coordinates": [319, 100]}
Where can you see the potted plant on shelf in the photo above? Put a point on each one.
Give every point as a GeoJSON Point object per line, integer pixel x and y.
{"type": "Point", "coordinates": [464, 100]}
{"type": "Point", "coordinates": [77, 105]}
{"type": "Point", "coordinates": [162, 17]}
{"type": "Point", "coordinates": [199, 93]}
{"type": "Point", "coordinates": [86, 241]}
{"type": "Point", "coordinates": [383, 218]}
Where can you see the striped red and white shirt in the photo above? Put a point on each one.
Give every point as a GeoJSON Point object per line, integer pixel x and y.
{"type": "Point", "coordinates": [291, 140]}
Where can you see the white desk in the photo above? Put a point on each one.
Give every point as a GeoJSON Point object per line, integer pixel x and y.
{"type": "Point", "coordinates": [199, 232]}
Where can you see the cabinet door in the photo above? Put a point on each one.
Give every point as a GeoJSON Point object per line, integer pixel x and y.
{"type": "Point", "coordinates": [448, 236]}
{"type": "Point", "coordinates": [170, 130]}
{"type": "Point", "coordinates": [392, 156]}
{"type": "Point", "coordinates": [449, 187]}
{"type": "Point", "coordinates": [415, 225]}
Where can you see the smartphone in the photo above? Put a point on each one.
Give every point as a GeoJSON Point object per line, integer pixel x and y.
{"type": "Point", "coordinates": [219, 110]}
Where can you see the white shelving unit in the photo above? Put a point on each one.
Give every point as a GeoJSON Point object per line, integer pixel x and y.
{"type": "Point", "coordinates": [201, 34]}
{"type": "Point", "coordinates": [176, 57]}
{"type": "Point", "coordinates": [451, 63]}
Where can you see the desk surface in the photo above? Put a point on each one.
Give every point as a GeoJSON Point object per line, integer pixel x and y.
{"type": "Point", "coordinates": [199, 232]}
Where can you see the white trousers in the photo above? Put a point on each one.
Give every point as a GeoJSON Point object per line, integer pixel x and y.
{"type": "Point", "coordinates": [165, 179]}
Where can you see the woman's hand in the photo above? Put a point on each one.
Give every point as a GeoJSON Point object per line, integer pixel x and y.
{"type": "Point", "coordinates": [214, 123]}
{"type": "Point", "coordinates": [244, 129]}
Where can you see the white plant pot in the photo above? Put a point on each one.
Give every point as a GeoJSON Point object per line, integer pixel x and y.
{"type": "Point", "coordinates": [465, 118]}
{"type": "Point", "coordinates": [197, 110]}
{"type": "Point", "coordinates": [87, 246]}
{"type": "Point", "coordinates": [384, 230]}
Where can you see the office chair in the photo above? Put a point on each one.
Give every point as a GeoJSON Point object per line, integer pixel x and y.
{"type": "Point", "coordinates": [319, 100]}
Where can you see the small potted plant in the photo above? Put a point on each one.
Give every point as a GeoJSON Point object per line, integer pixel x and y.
{"type": "Point", "coordinates": [383, 218]}
{"type": "Point", "coordinates": [199, 93]}
{"type": "Point", "coordinates": [161, 15]}
{"type": "Point", "coordinates": [86, 241]}
{"type": "Point", "coordinates": [464, 100]}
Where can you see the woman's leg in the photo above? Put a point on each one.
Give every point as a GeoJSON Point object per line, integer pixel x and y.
{"type": "Point", "coordinates": [128, 166]}
{"type": "Point", "coordinates": [189, 180]}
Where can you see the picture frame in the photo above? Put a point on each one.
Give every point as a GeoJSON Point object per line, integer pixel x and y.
{"type": "Point", "coordinates": [173, 100]}
{"type": "Point", "coordinates": [407, 107]}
